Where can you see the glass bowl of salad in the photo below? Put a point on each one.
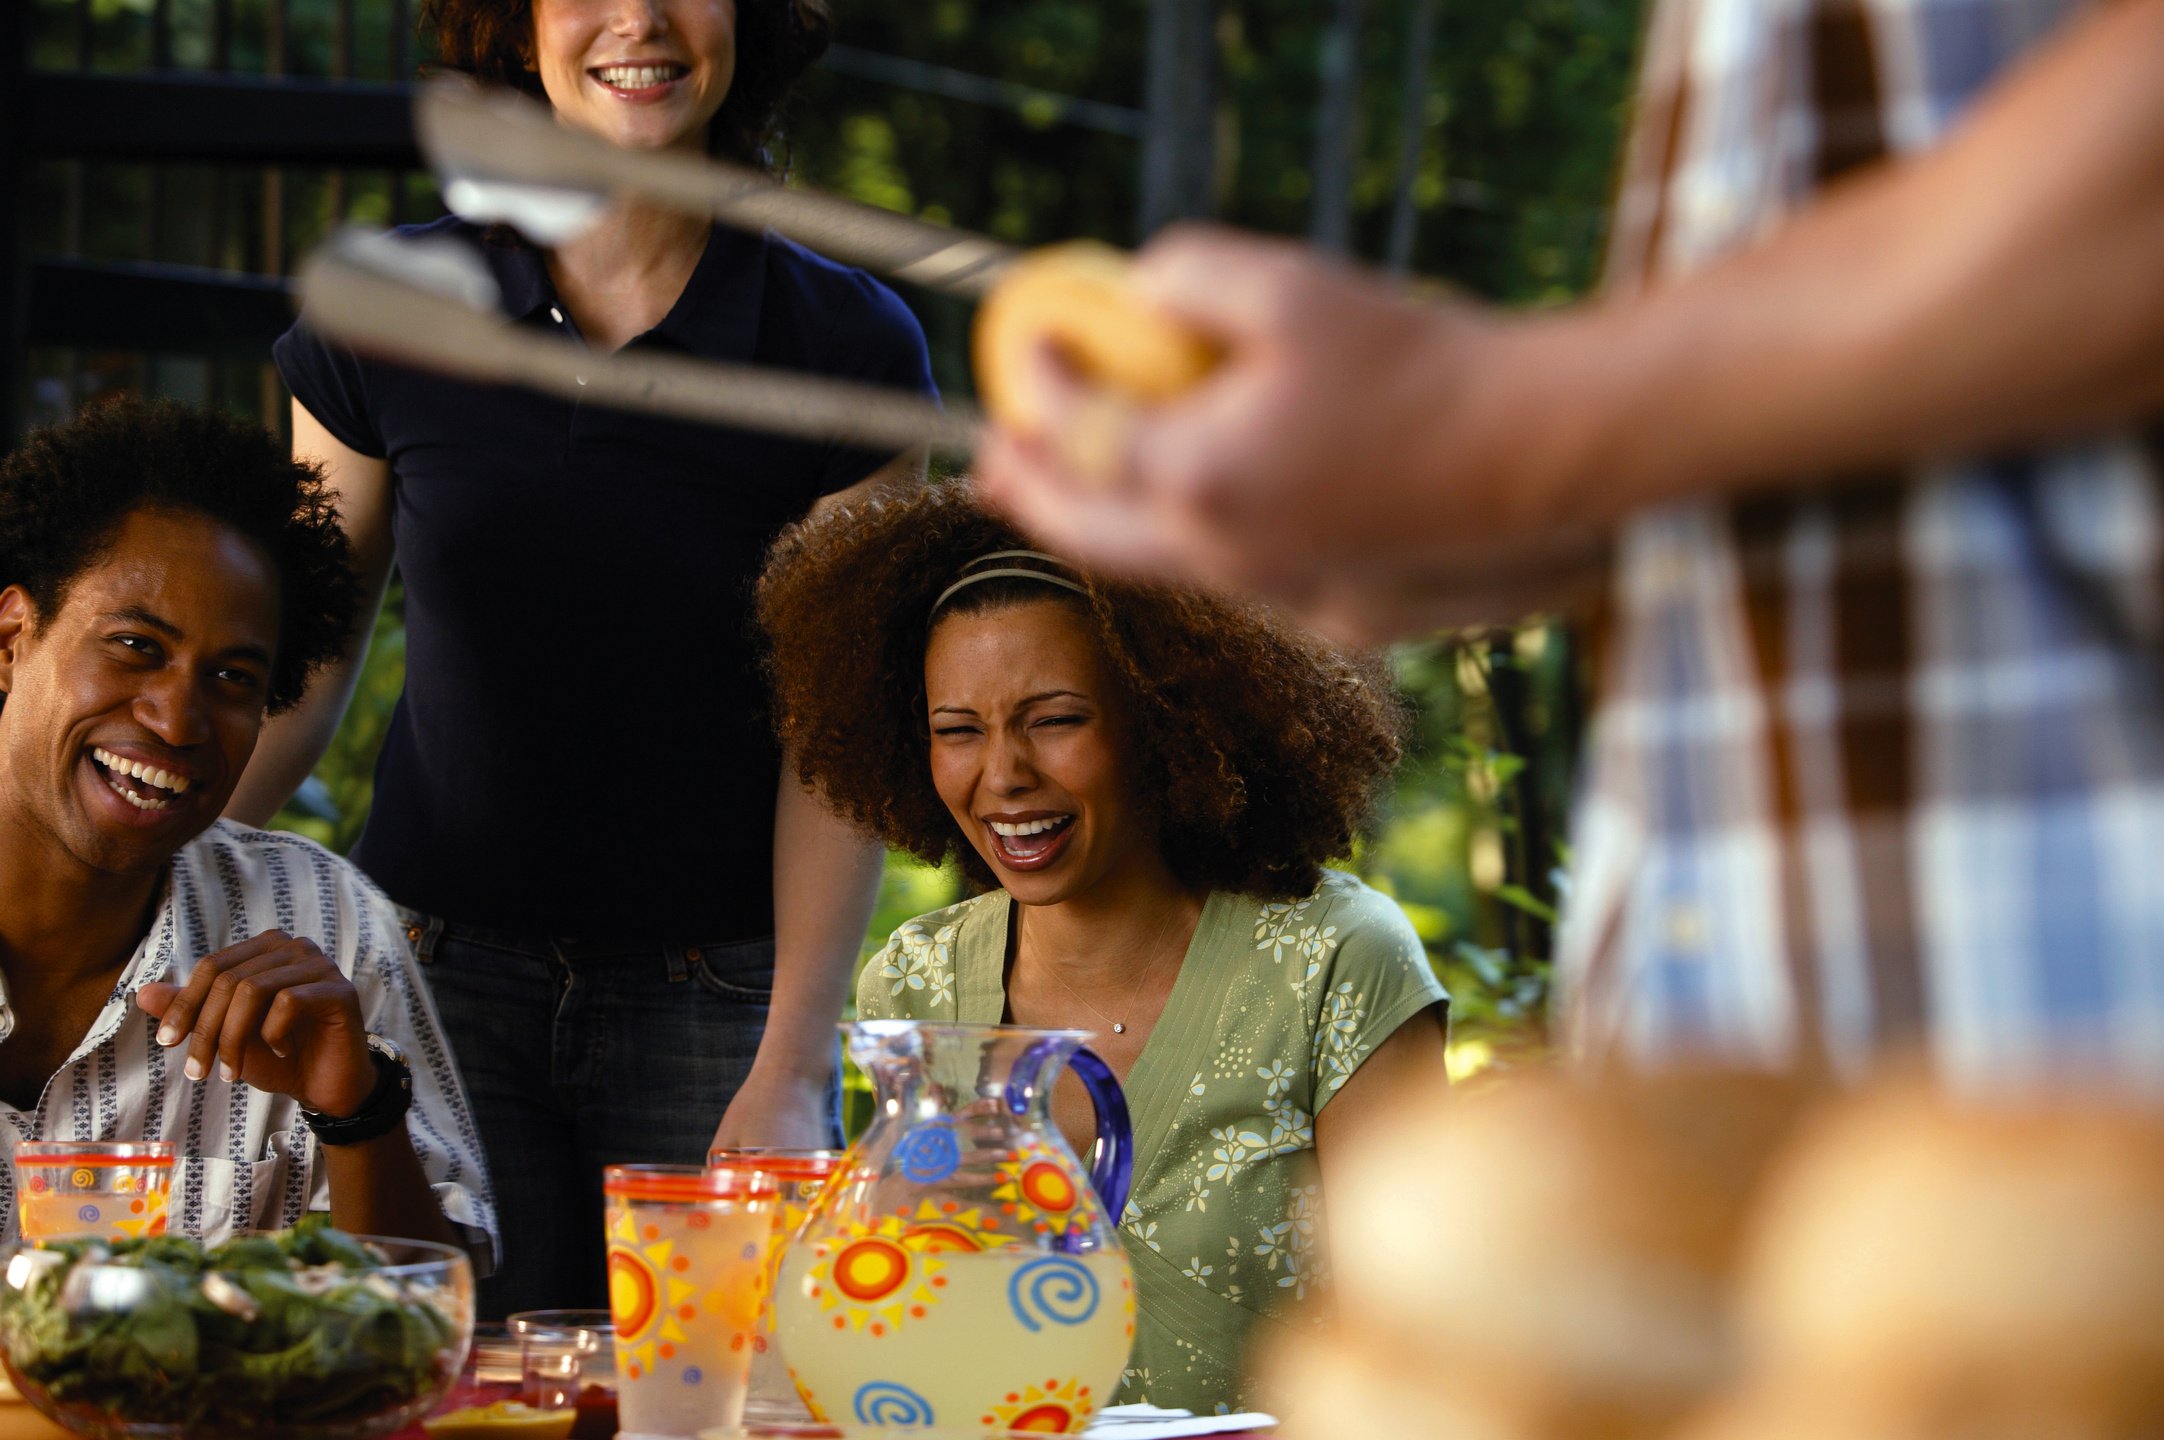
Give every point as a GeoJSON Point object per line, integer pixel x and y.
{"type": "Point", "coordinates": [301, 1334]}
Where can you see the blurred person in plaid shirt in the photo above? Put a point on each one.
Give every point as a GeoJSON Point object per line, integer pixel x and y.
{"type": "Point", "coordinates": [1858, 460]}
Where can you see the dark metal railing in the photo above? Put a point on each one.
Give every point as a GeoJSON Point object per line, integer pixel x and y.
{"type": "Point", "coordinates": [262, 125]}
{"type": "Point", "coordinates": [176, 167]}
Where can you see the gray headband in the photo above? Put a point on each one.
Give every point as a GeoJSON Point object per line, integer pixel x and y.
{"type": "Point", "coordinates": [971, 574]}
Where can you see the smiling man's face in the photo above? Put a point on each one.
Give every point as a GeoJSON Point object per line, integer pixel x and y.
{"type": "Point", "coordinates": [132, 710]}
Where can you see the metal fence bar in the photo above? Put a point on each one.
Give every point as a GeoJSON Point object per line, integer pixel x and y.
{"type": "Point", "coordinates": [274, 200]}
{"type": "Point", "coordinates": [401, 41]}
{"type": "Point", "coordinates": [14, 174]}
{"type": "Point", "coordinates": [239, 120]}
{"type": "Point", "coordinates": [1337, 127]}
{"type": "Point", "coordinates": [1179, 155]}
{"type": "Point", "coordinates": [155, 307]}
{"type": "Point", "coordinates": [985, 90]}
{"type": "Point", "coordinates": [342, 69]}
{"type": "Point", "coordinates": [1412, 133]}
{"type": "Point", "coordinates": [235, 119]}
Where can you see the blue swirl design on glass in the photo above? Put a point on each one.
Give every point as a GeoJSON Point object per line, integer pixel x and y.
{"type": "Point", "coordinates": [883, 1402]}
{"type": "Point", "coordinates": [1056, 1289]}
{"type": "Point", "coordinates": [88, 1212]}
{"type": "Point", "coordinates": [929, 1153]}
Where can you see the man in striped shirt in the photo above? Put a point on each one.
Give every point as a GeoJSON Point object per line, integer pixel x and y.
{"type": "Point", "coordinates": [168, 578]}
{"type": "Point", "coordinates": [1859, 456]}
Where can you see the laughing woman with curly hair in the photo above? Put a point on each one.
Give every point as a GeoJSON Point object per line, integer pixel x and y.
{"type": "Point", "coordinates": [1145, 781]}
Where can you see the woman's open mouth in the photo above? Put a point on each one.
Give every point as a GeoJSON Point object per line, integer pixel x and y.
{"type": "Point", "coordinates": [646, 80]}
{"type": "Point", "coordinates": [1030, 844]}
{"type": "Point", "coordinates": [146, 787]}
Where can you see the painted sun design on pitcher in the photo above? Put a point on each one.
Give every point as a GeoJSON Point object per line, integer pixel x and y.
{"type": "Point", "coordinates": [1053, 1408]}
{"type": "Point", "coordinates": [652, 1294]}
{"type": "Point", "coordinates": [871, 1279]}
{"type": "Point", "coordinates": [1038, 1189]}
{"type": "Point", "coordinates": [947, 1227]}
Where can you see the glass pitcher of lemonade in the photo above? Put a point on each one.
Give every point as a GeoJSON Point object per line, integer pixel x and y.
{"type": "Point", "coordinates": [962, 1269]}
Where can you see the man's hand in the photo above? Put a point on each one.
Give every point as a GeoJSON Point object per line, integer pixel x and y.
{"type": "Point", "coordinates": [1342, 460]}
{"type": "Point", "coordinates": [776, 1111]}
{"type": "Point", "coordinates": [1358, 455]}
{"type": "Point", "coordinates": [272, 1012]}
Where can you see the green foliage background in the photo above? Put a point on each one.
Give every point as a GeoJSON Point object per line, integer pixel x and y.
{"type": "Point", "coordinates": [1520, 116]}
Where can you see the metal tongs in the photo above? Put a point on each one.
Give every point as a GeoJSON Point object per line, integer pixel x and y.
{"type": "Point", "coordinates": [502, 158]}
{"type": "Point", "coordinates": [434, 305]}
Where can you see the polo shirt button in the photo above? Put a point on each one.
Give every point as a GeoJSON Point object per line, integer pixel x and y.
{"type": "Point", "coordinates": [556, 315]}
{"type": "Point", "coordinates": [581, 379]}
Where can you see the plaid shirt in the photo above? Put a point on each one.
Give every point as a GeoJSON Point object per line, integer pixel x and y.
{"type": "Point", "coordinates": [1877, 765]}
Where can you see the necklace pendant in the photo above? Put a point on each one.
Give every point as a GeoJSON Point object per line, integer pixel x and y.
{"type": "Point", "coordinates": [1118, 1028]}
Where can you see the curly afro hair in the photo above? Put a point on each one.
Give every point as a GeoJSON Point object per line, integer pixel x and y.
{"type": "Point", "coordinates": [776, 42]}
{"type": "Point", "coordinates": [1262, 751]}
{"type": "Point", "coordinates": [66, 489]}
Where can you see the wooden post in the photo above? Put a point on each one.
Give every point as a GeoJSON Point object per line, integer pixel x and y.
{"type": "Point", "coordinates": [1179, 154]}
{"type": "Point", "coordinates": [1337, 128]}
{"type": "Point", "coordinates": [1412, 133]}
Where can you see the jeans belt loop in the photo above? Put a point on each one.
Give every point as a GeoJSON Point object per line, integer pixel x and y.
{"type": "Point", "coordinates": [679, 964]}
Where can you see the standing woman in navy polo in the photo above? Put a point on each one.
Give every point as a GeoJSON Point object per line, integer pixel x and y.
{"type": "Point", "coordinates": [631, 922]}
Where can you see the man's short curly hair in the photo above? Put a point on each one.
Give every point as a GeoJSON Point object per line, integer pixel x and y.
{"type": "Point", "coordinates": [1262, 751]}
{"type": "Point", "coordinates": [65, 491]}
{"type": "Point", "coordinates": [776, 42]}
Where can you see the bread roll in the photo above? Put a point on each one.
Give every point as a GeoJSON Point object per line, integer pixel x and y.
{"type": "Point", "coordinates": [1079, 297]}
{"type": "Point", "coordinates": [1551, 1258]}
{"type": "Point", "coordinates": [1968, 1270]}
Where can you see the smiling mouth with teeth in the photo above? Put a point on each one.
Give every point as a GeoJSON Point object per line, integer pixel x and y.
{"type": "Point", "coordinates": [1028, 839]}
{"type": "Point", "coordinates": [146, 787]}
{"type": "Point", "coordinates": [639, 77]}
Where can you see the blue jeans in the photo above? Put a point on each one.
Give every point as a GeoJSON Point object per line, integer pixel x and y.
{"type": "Point", "coordinates": [578, 1054]}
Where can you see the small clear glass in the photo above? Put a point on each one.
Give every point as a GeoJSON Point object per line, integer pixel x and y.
{"type": "Point", "coordinates": [567, 1360]}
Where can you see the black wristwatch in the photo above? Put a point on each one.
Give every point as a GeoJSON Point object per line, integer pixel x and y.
{"type": "Point", "coordinates": [385, 1108]}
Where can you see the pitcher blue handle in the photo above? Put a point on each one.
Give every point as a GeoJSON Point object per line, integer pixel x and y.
{"type": "Point", "coordinates": [1113, 1173]}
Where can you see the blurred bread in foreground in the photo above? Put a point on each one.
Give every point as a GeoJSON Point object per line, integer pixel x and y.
{"type": "Point", "coordinates": [1079, 297]}
{"type": "Point", "coordinates": [1550, 1258]}
{"type": "Point", "coordinates": [1927, 1271]}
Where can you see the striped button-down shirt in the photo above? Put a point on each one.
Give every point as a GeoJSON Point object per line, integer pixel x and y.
{"type": "Point", "coordinates": [1878, 765]}
{"type": "Point", "coordinates": [244, 1158]}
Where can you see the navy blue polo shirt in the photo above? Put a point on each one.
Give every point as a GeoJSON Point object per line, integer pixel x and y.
{"type": "Point", "coordinates": [582, 747]}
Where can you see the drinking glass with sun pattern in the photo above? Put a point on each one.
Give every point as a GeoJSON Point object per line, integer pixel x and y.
{"type": "Point", "coordinates": [799, 1175]}
{"type": "Point", "coordinates": [114, 1188]}
{"type": "Point", "coordinates": [687, 1277]}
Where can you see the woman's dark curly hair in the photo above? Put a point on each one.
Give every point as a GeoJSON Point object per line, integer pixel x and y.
{"type": "Point", "coordinates": [1262, 751]}
{"type": "Point", "coordinates": [65, 491]}
{"type": "Point", "coordinates": [776, 41]}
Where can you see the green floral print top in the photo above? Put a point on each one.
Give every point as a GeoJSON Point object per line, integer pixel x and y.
{"type": "Point", "coordinates": [1276, 1005]}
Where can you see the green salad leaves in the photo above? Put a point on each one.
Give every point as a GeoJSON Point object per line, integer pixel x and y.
{"type": "Point", "coordinates": [261, 1332]}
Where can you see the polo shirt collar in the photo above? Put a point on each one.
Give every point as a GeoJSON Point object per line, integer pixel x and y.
{"type": "Point", "coordinates": [717, 316]}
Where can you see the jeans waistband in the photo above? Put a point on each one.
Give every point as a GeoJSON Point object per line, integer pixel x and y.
{"type": "Point", "coordinates": [424, 930]}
